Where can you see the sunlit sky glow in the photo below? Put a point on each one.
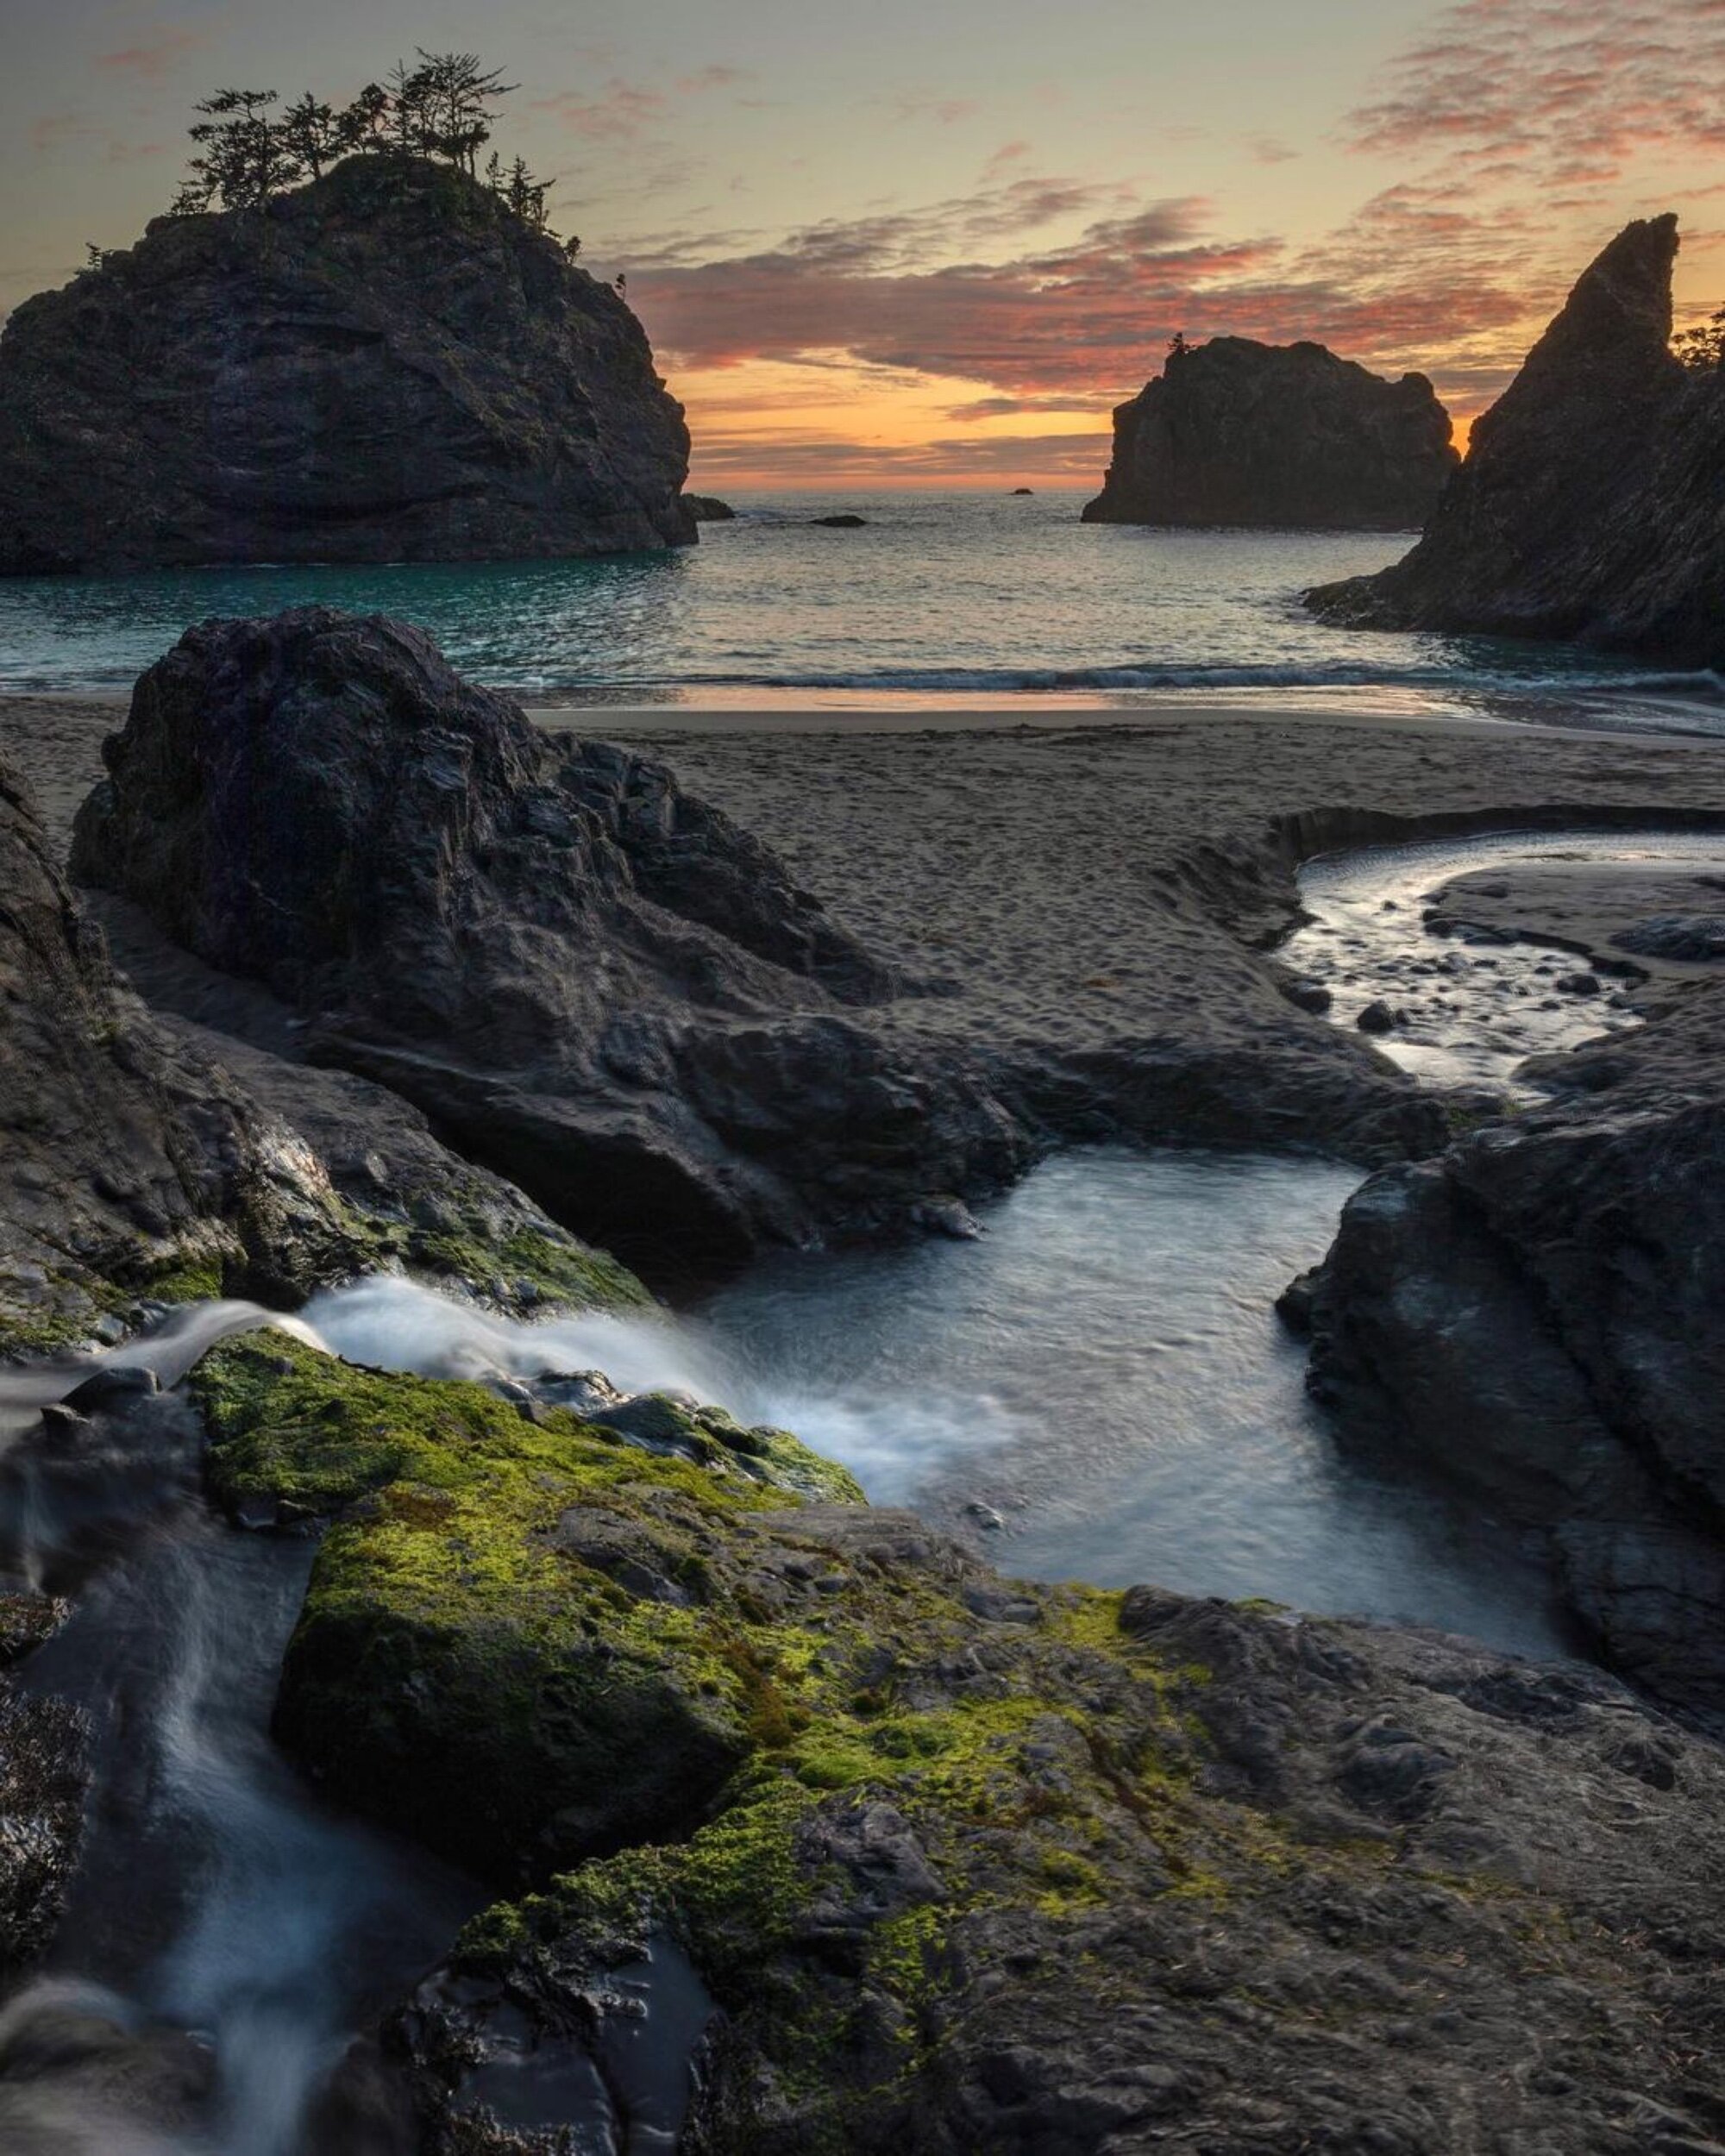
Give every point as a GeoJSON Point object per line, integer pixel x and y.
{"type": "Point", "coordinates": [934, 245]}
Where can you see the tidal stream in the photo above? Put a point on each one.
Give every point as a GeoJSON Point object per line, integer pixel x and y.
{"type": "Point", "coordinates": [1096, 1389]}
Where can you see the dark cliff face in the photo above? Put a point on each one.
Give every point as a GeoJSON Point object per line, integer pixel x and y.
{"type": "Point", "coordinates": [1237, 433]}
{"type": "Point", "coordinates": [1592, 506]}
{"type": "Point", "coordinates": [388, 365]}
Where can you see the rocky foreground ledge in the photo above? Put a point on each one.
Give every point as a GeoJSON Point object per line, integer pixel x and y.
{"type": "Point", "coordinates": [960, 1862]}
{"type": "Point", "coordinates": [963, 1863]}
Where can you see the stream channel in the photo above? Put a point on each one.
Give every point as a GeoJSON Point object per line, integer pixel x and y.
{"type": "Point", "coordinates": [1097, 1388]}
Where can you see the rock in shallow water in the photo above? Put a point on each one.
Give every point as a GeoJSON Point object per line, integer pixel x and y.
{"type": "Point", "coordinates": [1588, 507]}
{"type": "Point", "coordinates": [1539, 1316]}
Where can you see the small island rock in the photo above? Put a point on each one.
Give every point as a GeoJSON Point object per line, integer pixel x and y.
{"type": "Point", "coordinates": [1233, 432]}
{"type": "Point", "coordinates": [388, 365]}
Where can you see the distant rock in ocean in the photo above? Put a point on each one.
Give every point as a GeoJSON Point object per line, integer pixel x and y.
{"type": "Point", "coordinates": [386, 365]}
{"type": "Point", "coordinates": [1233, 432]}
{"type": "Point", "coordinates": [847, 521]}
{"type": "Point", "coordinates": [1590, 506]}
{"type": "Point", "coordinates": [707, 509]}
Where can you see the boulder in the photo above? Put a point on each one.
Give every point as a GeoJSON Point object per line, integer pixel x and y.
{"type": "Point", "coordinates": [1234, 432]}
{"type": "Point", "coordinates": [388, 365]}
{"type": "Point", "coordinates": [600, 988]}
{"type": "Point", "coordinates": [135, 1171]}
{"type": "Point", "coordinates": [1539, 1317]}
{"type": "Point", "coordinates": [97, 1169]}
{"type": "Point", "coordinates": [707, 509]}
{"type": "Point", "coordinates": [1589, 507]}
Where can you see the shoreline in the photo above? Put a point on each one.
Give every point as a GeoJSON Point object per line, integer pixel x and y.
{"type": "Point", "coordinates": [873, 718]}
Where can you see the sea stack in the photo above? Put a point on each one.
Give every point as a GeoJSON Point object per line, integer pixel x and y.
{"type": "Point", "coordinates": [1589, 507]}
{"type": "Point", "coordinates": [386, 365]}
{"type": "Point", "coordinates": [1232, 432]}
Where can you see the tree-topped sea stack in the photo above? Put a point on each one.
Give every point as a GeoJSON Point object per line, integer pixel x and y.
{"type": "Point", "coordinates": [391, 363]}
{"type": "Point", "coordinates": [1592, 503]}
{"type": "Point", "coordinates": [1233, 432]}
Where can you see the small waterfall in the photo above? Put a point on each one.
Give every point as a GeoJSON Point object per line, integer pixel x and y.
{"type": "Point", "coordinates": [225, 1934]}
{"type": "Point", "coordinates": [181, 1342]}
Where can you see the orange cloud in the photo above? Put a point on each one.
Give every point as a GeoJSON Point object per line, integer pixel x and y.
{"type": "Point", "coordinates": [617, 114]}
{"type": "Point", "coordinates": [1086, 320]}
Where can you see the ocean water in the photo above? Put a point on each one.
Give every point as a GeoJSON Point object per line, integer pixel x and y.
{"type": "Point", "coordinates": [972, 599]}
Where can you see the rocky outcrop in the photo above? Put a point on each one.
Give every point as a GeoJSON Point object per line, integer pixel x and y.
{"type": "Point", "coordinates": [145, 1162]}
{"type": "Point", "coordinates": [602, 988]}
{"type": "Point", "coordinates": [961, 1862]}
{"type": "Point", "coordinates": [98, 1175]}
{"type": "Point", "coordinates": [1538, 1316]}
{"type": "Point", "coordinates": [707, 509]}
{"type": "Point", "coordinates": [388, 365]}
{"type": "Point", "coordinates": [1233, 432]}
{"type": "Point", "coordinates": [1591, 505]}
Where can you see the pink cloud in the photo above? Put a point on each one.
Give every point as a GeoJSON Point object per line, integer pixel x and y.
{"type": "Point", "coordinates": [1079, 323]}
{"type": "Point", "coordinates": [53, 130]}
{"type": "Point", "coordinates": [618, 113]}
{"type": "Point", "coordinates": [1540, 94]}
{"type": "Point", "coordinates": [1005, 157]}
{"type": "Point", "coordinates": [153, 58]}
{"type": "Point", "coordinates": [947, 111]}
{"type": "Point", "coordinates": [714, 78]}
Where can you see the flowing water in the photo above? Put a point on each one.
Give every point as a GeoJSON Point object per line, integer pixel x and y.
{"type": "Point", "coordinates": [1098, 1387]}
{"type": "Point", "coordinates": [226, 1934]}
{"type": "Point", "coordinates": [1472, 1010]}
{"type": "Point", "coordinates": [250, 1929]}
{"type": "Point", "coordinates": [939, 599]}
{"type": "Point", "coordinates": [1102, 1373]}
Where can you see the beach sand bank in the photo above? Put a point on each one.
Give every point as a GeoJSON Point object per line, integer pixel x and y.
{"type": "Point", "coordinates": [1110, 887]}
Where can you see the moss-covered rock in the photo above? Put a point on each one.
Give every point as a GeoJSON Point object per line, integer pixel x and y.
{"type": "Point", "coordinates": [526, 1638]}
{"type": "Point", "coordinates": [966, 1864]}
{"type": "Point", "coordinates": [1106, 1874]}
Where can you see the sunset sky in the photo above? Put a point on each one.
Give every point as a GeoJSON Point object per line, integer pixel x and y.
{"type": "Point", "coordinates": [933, 245]}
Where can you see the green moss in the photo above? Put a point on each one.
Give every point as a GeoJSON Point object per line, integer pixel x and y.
{"type": "Point", "coordinates": [40, 1334]}
{"type": "Point", "coordinates": [527, 1611]}
{"type": "Point", "coordinates": [555, 1271]}
{"type": "Point", "coordinates": [186, 1279]}
{"type": "Point", "coordinates": [654, 1690]}
{"type": "Point", "coordinates": [50, 1314]}
{"type": "Point", "coordinates": [769, 1456]}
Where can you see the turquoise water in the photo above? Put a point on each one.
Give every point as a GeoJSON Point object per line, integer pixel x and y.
{"type": "Point", "coordinates": [970, 599]}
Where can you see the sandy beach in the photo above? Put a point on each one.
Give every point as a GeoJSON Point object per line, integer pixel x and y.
{"type": "Point", "coordinates": [1059, 874]}
{"type": "Point", "coordinates": [1106, 895]}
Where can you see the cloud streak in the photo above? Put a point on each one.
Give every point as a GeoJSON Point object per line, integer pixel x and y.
{"type": "Point", "coordinates": [1074, 325]}
{"type": "Point", "coordinates": [152, 58]}
{"type": "Point", "coordinates": [1542, 94]}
